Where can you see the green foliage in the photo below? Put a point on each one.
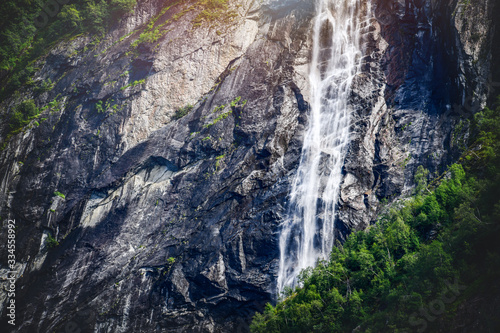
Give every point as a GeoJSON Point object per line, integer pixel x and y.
{"type": "Point", "coordinates": [380, 279]}
{"type": "Point", "coordinates": [218, 160]}
{"type": "Point", "coordinates": [219, 118]}
{"type": "Point", "coordinates": [45, 86]}
{"type": "Point", "coordinates": [486, 125]}
{"type": "Point", "coordinates": [236, 102]}
{"type": "Point", "coordinates": [152, 22]}
{"type": "Point", "coordinates": [23, 114]}
{"type": "Point", "coordinates": [69, 18]}
{"type": "Point", "coordinates": [133, 84]}
{"type": "Point", "coordinates": [103, 108]}
{"type": "Point", "coordinates": [213, 11]}
{"type": "Point", "coordinates": [25, 35]}
{"type": "Point", "coordinates": [152, 34]}
{"type": "Point", "coordinates": [99, 107]}
{"type": "Point", "coordinates": [218, 108]}
{"type": "Point", "coordinates": [183, 111]}
{"type": "Point", "coordinates": [149, 37]}
{"type": "Point", "coordinates": [59, 194]}
{"type": "Point", "coordinates": [120, 7]}
{"type": "Point", "coordinates": [421, 179]}
{"type": "Point", "coordinates": [96, 14]}
{"type": "Point", "coordinates": [22, 41]}
{"type": "Point", "coordinates": [51, 242]}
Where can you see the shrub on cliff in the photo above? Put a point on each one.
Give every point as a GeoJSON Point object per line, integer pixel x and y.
{"type": "Point", "coordinates": [22, 115]}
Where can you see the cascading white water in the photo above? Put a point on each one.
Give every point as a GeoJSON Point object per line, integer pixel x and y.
{"type": "Point", "coordinates": [308, 232]}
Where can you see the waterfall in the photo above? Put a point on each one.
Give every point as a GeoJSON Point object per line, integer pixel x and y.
{"type": "Point", "coordinates": [307, 234]}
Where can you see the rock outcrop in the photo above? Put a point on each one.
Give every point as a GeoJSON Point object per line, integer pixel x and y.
{"type": "Point", "coordinates": [162, 166]}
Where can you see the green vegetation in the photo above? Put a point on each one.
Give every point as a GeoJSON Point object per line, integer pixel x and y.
{"type": "Point", "coordinates": [152, 34]}
{"type": "Point", "coordinates": [405, 162]}
{"type": "Point", "coordinates": [213, 11]}
{"type": "Point", "coordinates": [133, 84]}
{"type": "Point", "coordinates": [218, 108]}
{"type": "Point", "coordinates": [101, 109]}
{"type": "Point", "coordinates": [405, 126]}
{"type": "Point", "coordinates": [236, 101]}
{"type": "Point", "coordinates": [59, 194]}
{"type": "Point", "coordinates": [219, 118]}
{"type": "Point", "coordinates": [110, 83]}
{"type": "Point", "coordinates": [218, 160]}
{"type": "Point", "coordinates": [152, 22]}
{"type": "Point", "coordinates": [51, 242]}
{"type": "Point", "coordinates": [183, 111]}
{"type": "Point", "coordinates": [420, 264]}
{"type": "Point", "coordinates": [45, 86]}
{"type": "Point", "coordinates": [27, 31]}
{"type": "Point", "coordinates": [169, 264]}
{"type": "Point", "coordinates": [149, 37]}
{"type": "Point", "coordinates": [23, 114]}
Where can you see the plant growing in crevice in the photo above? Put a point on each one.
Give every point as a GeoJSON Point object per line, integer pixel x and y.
{"type": "Point", "coordinates": [236, 102]}
{"type": "Point", "coordinates": [219, 108]}
{"type": "Point", "coordinates": [179, 113]}
{"type": "Point", "coordinates": [51, 242]}
{"type": "Point", "coordinates": [168, 265]}
{"type": "Point", "coordinates": [219, 118]}
{"type": "Point", "coordinates": [133, 84]}
{"type": "Point", "coordinates": [218, 160]}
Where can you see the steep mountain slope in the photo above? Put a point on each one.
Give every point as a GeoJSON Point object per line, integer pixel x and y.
{"type": "Point", "coordinates": [162, 158]}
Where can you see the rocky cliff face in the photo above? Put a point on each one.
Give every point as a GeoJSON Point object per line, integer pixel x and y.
{"type": "Point", "coordinates": [175, 154]}
{"type": "Point", "coordinates": [428, 66]}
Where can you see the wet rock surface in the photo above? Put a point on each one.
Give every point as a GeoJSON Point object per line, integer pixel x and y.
{"type": "Point", "coordinates": [175, 186]}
